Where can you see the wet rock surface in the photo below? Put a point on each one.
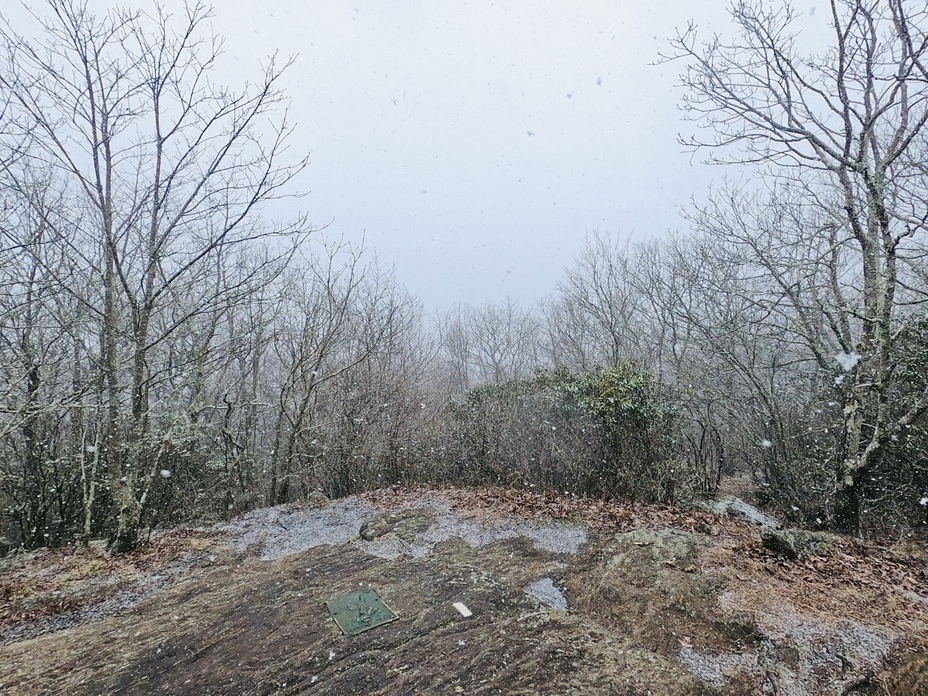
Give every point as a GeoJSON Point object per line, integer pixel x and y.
{"type": "Point", "coordinates": [557, 608]}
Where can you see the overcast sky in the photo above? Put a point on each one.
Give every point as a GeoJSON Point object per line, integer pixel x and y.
{"type": "Point", "coordinates": [473, 144]}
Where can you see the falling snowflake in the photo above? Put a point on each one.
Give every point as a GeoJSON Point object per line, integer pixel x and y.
{"type": "Point", "coordinates": [923, 502]}
{"type": "Point", "coordinates": [165, 474]}
{"type": "Point", "coordinates": [766, 444]}
{"type": "Point", "coordinates": [847, 361]}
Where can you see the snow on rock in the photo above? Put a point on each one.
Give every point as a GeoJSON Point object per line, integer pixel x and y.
{"type": "Point", "coordinates": [288, 529]}
{"type": "Point", "coordinates": [548, 593]}
{"type": "Point", "coordinates": [799, 653]}
{"type": "Point", "coordinates": [735, 507]}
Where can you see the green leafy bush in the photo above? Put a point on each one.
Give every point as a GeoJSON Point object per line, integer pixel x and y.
{"type": "Point", "coordinates": [604, 433]}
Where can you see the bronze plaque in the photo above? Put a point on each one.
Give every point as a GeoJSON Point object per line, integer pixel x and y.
{"type": "Point", "coordinates": [357, 612]}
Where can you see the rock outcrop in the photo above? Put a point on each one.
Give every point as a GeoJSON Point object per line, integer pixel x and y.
{"type": "Point", "coordinates": [794, 542]}
{"type": "Point", "coordinates": [736, 507]}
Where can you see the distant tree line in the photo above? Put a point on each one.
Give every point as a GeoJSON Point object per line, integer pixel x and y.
{"type": "Point", "coordinates": [168, 352]}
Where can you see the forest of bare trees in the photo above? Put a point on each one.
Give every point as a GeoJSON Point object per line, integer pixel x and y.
{"type": "Point", "coordinates": [172, 350]}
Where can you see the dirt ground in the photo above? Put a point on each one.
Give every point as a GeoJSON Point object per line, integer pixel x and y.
{"type": "Point", "coordinates": [568, 596]}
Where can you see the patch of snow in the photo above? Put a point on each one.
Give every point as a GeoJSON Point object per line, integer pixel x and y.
{"type": "Point", "coordinates": [286, 529]}
{"type": "Point", "coordinates": [283, 530]}
{"type": "Point", "coordinates": [550, 537]}
{"type": "Point", "coordinates": [735, 507]}
{"type": "Point", "coordinates": [717, 669]}
{"type": "Point", "coordinates": [826, 649]}
{"type": "Point", "coordinates": [549, 594]}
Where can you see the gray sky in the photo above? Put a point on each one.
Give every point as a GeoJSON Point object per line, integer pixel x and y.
{"type": "Point", "coordinates": [474, 144]}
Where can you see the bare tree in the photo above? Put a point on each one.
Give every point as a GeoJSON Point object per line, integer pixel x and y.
{"type": "Point", "coordinates": [841, 137]}
{"type": "Point", "coordinates": [164, 172]}
{"type": "Point", "coordinates": [601, 305]}
{"type": "Point", "coordinates": [312, 346]}
{"type": "Point", "coordinates": [456, 349]}
{"type": "Point", "coordinates": [490, 343]}
{"type": "Point", "coordinates": [34, 356]}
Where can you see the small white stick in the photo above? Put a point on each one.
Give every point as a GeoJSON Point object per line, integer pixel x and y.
{"type": "Point", "coordinates": [463, 610]}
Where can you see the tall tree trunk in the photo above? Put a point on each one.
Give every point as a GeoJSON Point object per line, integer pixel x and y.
{"type": "Point", "coordinates": [128, 511]}
{"type": "Point", "coordinates": [847, 506]}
